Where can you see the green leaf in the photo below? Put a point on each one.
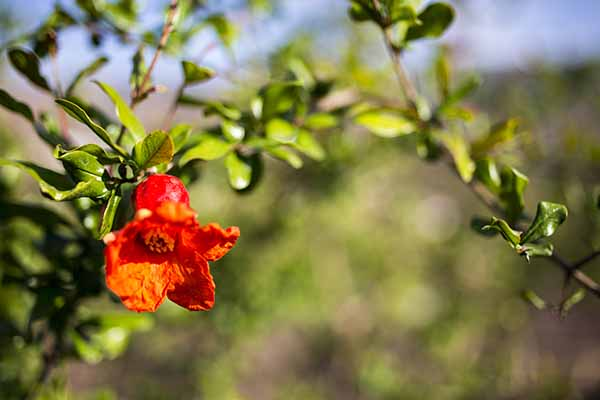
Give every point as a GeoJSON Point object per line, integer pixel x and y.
{"type": "Point", "coordinates": [399, 11]}
{"type": "Point", "coordinates": [434, 21]}
{"type": "Point", "coordinates": [512, 188]}
{"type": "Point", "coordinates": [571, 301]}
{"type": "Point", "coordinates": [320, 121]}
{"type": "Point", "coordinates": [308, 145]}
{"type": "Point", "coordinates": [79, 114]}
{"type": "Point", "coordinates": [193, 73]}
{"type": "Point", "coordinates": [124, 112]}
{"type": "Point", "coordinates": [81, 166]}
{"type": "Point", "coordinates": [459, 149]}
{"type": "Point", "coordinates": [180, 133]}
{"type": "Point", "coordinates": [239, 170]}
{"type": "Point", "coordinates": [442, 73]}
{"type": "Point", "coordinates": [209, 147]}
{"type": "Point", "coordinates": [87, 352]}
{"type": "Point", "coordinates": [138, 71]}
{"type": "Point", "coordinates": [87, 71]}
{"type": "Point", "coordinates": [104, 157]}
{"type": "Point", "coordinates": [548, 218]}
{"type": "Point", "coordinates": [109, 213]}
{"type": "Point", "coordinates": [154, 149]}
{"type": "Point", "coordinates": [513, 237]}
{"type": "Point", "coordinates": [232, 132]}
{"type": "Point", "coordinates": [529, 250]}
{"type": "Point", "coordinates": [531, 297]}
{"type": "Point", "coordinates": [28, 64]}
{"type": "Point", "coordinates": [385, 123]}
{"type": "Point", "coordinates": [286, 154]}
{"type": "Point", "coordinates": [361, 11]}
{"type": "Point", "coordinates": [12, 104]}
{"type": "Point", "coordinates": [467, 87]}
{"type": "Point", "coordinates": [500, 133]}
{"type": "Point", "coordinates": [130, 321]}
{"type": "Point", "coordinates": [56, 186]}
{"type": "Point", "coordinates": [279, 97]}
{"type": "Point", "coordinates": [281, 130]}
{"type": "Point", "coordinates": [487, 173]}
{"type": "Point", "coordinates": [212, 107]}
{"type": "Point", "coordinates": [226, 31]}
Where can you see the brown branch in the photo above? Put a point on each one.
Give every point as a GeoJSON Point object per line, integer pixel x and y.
{"type": "Point", "coordinates": [164, 37]}
{"type": "Point", "coordinates": [571, 269]}
{"type": "Point", "coordinates": [138, 94]}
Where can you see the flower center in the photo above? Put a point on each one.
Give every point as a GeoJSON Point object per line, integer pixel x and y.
{"type": "Point", "coordinates": [159, 241]}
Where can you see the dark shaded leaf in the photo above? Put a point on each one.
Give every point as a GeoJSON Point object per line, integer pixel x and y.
{"type": "Point", "coordinates": [28, 64]}
{"type": "Point", "coordinates": [109, 214]}
{"type": "Point", "coordinates": [548, 218]}
{"type": "Point", "coordinates": [12, 104]}
{"type": "Point", "coordinates": [434, 20]}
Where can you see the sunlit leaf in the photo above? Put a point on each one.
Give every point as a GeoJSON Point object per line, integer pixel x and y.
{"type": "Point", "coordinates": [500, 133]}
{"type": "Point", "coordinates": [239, 170]}
{"type": "Point", "coordinates": [513, 237]}
{"type": "Point", "coordinates": [385, 123]}
{"type": "Point", "coordinates": [180, 133]}
{"type": "Point", "coordinates": [459, 149]}
{"type": "Point", "coordinates": [281, 130]}
{"type": "Point", "coordinates": [232, 131]}
{"type": "Point", "coordinates": [193, 73]}
{"type": "Point", "coordinates": [79, 114]}
{"type": "Point", "coordinates": [154, 149]}
{"type": "Point", "coordinates": [124, 112]}
{"type": "Point", "coordinates": [209, 147]}
{"type": "Point", "coordinates": [308, 145]}
{"type": "Point", "coordinates": [286, 154]}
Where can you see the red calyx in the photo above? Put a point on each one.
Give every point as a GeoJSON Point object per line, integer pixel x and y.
{"type": "Point", "coordinates": [159, 188]}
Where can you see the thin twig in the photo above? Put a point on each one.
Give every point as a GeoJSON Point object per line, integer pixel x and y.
{"type": "Point", "coordinates": [140, 90]}
{"type": "Point", "coordinates": [571, 270]}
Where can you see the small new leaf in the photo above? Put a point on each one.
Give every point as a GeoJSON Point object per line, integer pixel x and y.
{"type": "Point", "coordinates": [385, 123]}
{"type": "Point", "coordinates": [513, 237]}
{"type": "Point", "coordinates": [195, 74]}
{"type": "Point", "coordinates": [281, 130]}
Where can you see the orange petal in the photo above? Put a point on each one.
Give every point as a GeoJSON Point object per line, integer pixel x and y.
{"type": "Point", "coordinates": [175, 212]}
{"type": "Point", "coordinates": [192, 286]}
{"type": "Point", "coordinates": [141, 287]}
{"type": "Point", "coordinates": [137, 275]}
{"type": "Point", "coordinates": [212, 241]}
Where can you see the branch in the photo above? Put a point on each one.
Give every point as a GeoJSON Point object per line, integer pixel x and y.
{"type": "Point", "coordinates": [571, 269]}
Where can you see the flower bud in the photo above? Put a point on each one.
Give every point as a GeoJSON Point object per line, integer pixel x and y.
{"type": "Point", "coordinates": [157, 189]}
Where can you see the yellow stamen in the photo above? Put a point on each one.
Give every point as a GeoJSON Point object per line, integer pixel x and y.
{"type": "Point", "coordinates": [159, 241]}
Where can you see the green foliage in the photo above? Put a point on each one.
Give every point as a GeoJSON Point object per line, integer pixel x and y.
{"type": "Point", "coordinates": [155, 149]}
{"type": "Point", "coordinates": [124, 112]}
{"type": "Point", "coordinates": [10, 103]}
{"type": "Point", "coordinates": [193, 74]}
{"type": "Point", "coordinates": [28, 65]}
{"type": "Point", "coordinates": [433, 22]}
{"type": "Point", "coordinates": [385, 123]}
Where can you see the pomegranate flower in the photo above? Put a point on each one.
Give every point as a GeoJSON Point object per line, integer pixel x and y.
{"type": "Point", "coordinates": [164, 252]}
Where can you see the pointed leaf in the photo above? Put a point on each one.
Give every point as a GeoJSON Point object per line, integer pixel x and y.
{"type": "Point", "coordinates": [308, 145]}
{"type": "Point", "coordinates": [124, 112]}
{"type": "Point", "coordinates": [109, 214]}
{"type": "Point", "coordinates": [459, 149]}
{"type": "Point", "coordinates": [193, 73]}
{"type": "Point", "coordinates": [513, 237]}
{"type": "Point", "coordinates": [487, 173]}
{"type": "Point", "coordinates": [232, 131]}
{"type": "Point", "coordinates": [286, 154]}
{"type": "Point", "coordinates": [28, 64]}
{"type": "Point", "coordinates": [85, 72]}
{"type": "Point", "coordinates": [512, 188]}
{"type": "Point", "coordinates": [12, 104]}
{"type": "Point", "coordinates": [79, 114]}
{"type": "Point", "coordinates": [56, 186]}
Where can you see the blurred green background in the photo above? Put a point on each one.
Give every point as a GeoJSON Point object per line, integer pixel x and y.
{"type": "Point", "coordinates": [359, 277]}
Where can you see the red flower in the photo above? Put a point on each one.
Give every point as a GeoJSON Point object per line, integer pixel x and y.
{"type": "Point", "coordinates": [164, 252]}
